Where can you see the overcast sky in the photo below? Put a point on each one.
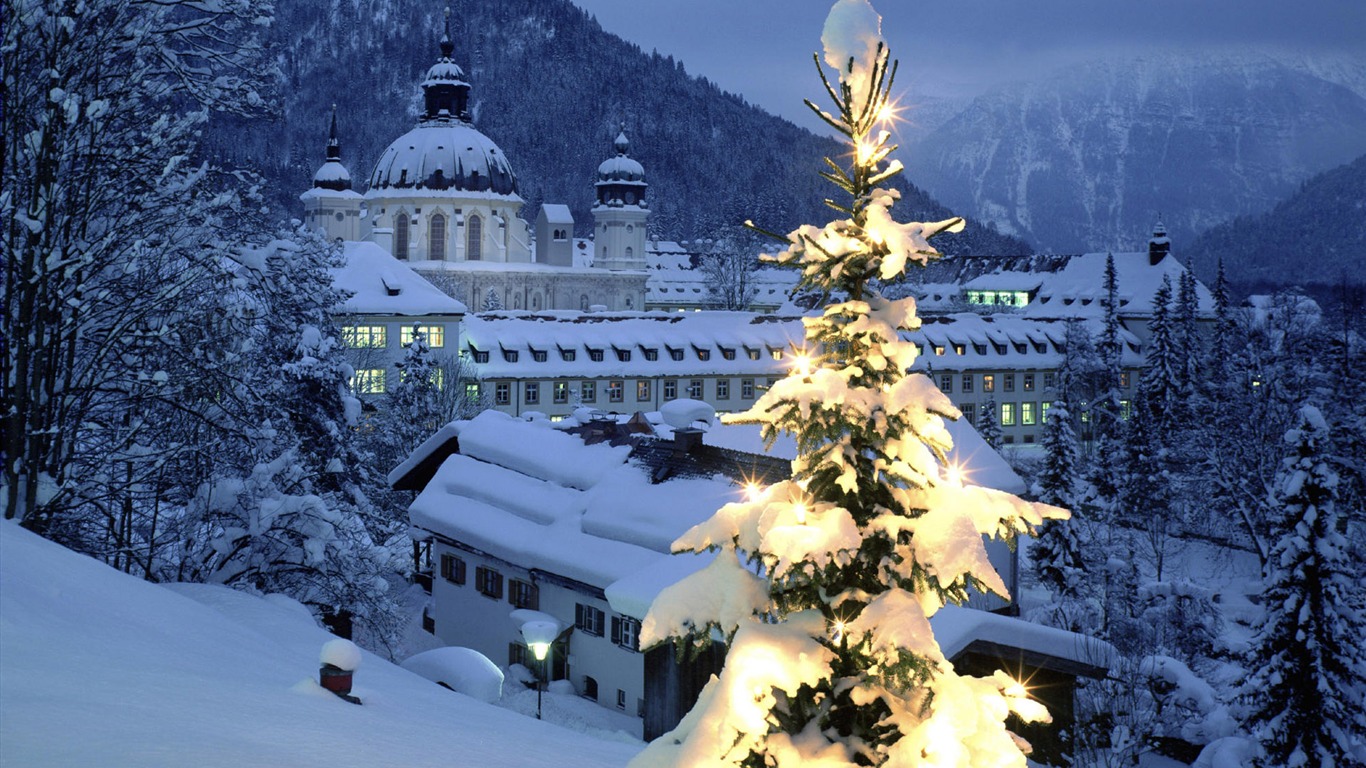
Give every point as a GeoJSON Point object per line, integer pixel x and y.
{"type": "Point", "coordinates": [762, 48]}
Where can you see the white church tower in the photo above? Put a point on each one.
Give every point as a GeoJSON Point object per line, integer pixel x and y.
{"type": "Point", "coordinates": [331, 206]}
{"type": "Point", "coordinates": [620, 214]}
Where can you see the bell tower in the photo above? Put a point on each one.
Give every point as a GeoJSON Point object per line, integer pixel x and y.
{"type": "Point", "coordinates": [331, 206]}
{"type": "Point", "coordinates": [621, 212]}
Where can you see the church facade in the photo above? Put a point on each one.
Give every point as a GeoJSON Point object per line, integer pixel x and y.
{"type": "Point", "coordinates": [443, 198]}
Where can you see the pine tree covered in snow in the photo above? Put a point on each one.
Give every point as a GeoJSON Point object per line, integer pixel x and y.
{"type": "Point", "coordinates": [823, 585]}
{"type": "Point", "coordinates": [990, 426]}
{"type": "Point", "coordinates": [1306, 696]}
{"type": "Point", "coordinates": [1057, 550]}
{"type": "Point", "coordinates": [1160, 381]}
{"type": "Point", "coordinates": [491, 301]}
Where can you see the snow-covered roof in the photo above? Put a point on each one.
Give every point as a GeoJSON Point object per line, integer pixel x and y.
{"type": "Point", "coordinates": [382, 285]}
{"type": "Point", "coordinates": [736, 343]}
{"type": "Point", "coordinates": [956, 629]}
{"type": "Point", "coordinates": [534, 494]}
{"type": "Point", "coordinates": [443, 157]}
{"type": "Point", "coordinates": [557, 213]}
{"type": "Point", "coordinates": [742, 343]}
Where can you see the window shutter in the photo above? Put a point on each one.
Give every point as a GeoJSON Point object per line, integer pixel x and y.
{"type": "Point", "coordinates": [616, 630]}
{"type": "Point", "coordinates": [578, 615]}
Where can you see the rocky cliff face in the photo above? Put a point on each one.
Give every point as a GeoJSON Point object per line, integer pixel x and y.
{"type": "Point", "coordinates": [1087, 159]}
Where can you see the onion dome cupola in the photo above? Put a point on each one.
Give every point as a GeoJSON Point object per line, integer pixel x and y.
{"type": "Point", "coordinates": [332, 174]}
{"type": "Point", "coordinates": [444, 152]}
{"type": "Point", "coordinates": [1159, 245]}
{"type": "Point", "coordinates": [621, 179]}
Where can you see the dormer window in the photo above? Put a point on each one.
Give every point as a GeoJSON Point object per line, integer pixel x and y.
{"type": "Point", "coordinates": [960, 349]}
{"type": "Point", "coordinates": [675, 354]}
{"type": "Point", "coordinates": [702, 354]}
{"type": "Point", "coordinates": [752, 353]}
{"type": "Point", "coordinates": [568, 355]}
{"type": "Point", "coordinates": [728, 354]}
{"type": "Point", "coordinates": [480, 356]}
{"type": "Point", "coordinates": [538, 355]}
{"type": "Point", "coordinates": [980, 349]}
{"type": "Point", "coordinates": [623, 355]}
{"type": "Point", "coordinates": [595, 355]}
{"type": "Point", "coordinates": [1000, 348]}
{"type": "Point", "coordinates": [651, 353]}
{"type": "Point", "coordinates": [510, 355]}
{"type": "Point", "coordinates": [1020, 348]}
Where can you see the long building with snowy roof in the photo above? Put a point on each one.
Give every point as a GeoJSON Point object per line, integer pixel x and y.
{"type": "Point", "coordinates": [575, 522]}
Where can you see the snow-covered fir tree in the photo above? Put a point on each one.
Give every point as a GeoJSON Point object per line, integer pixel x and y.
{"type": "Point", "coordinates": [989, 426]}
{"type": "Point", "coordinates": [1160, 380]}
{"type": "Point", "coordinates": [1306, 695]}
{"type": "Point", "coordinates": [826, 582]}
{"type": "Point", "coordinates": [491, 301]}
{"type": "Point", "coordinates": [1057, 550]}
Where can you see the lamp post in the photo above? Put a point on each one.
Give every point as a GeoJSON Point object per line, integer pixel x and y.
{"type": "Point", "coordinates": [539, 635]}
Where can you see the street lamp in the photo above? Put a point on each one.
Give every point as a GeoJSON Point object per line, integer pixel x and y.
{"type": "Point", "coordinates": [539, 635]}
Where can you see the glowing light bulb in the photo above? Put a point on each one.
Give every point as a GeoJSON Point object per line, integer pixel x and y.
{"type": "Point", "coordinates": [799, 511]}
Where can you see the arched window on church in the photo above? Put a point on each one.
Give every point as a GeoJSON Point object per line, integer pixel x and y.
{"type": "Point", "coordinates": [436, 238]}
{"type": "Point", "coordinates": [474, 232]}
{"type": "Point", "coordinates": [401, 236]}
{"type": "Point", "coordinates": [535, 301]}
{"type": "Point", "coordinates": [630, 252]}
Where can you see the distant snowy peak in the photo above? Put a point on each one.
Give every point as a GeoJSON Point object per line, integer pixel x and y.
{"type": "Point", "coordinates": [1090, 156]}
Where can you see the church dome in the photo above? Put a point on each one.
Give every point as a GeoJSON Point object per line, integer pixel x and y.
{"type": "Point", "coordinates": [332, 175]}
{"type": "Point", "coordinates": [621, 167]}
{"type": "Point", "coordinates": [444, 155]}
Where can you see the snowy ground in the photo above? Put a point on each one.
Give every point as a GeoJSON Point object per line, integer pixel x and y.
{"type": "Point", "coordinates": [99, 668]}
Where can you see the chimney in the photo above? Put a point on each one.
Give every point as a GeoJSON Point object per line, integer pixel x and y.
{"type": "Point", "coordinates": [1159, 245]}
{"type": "Point", "coordinates": [685, 440]}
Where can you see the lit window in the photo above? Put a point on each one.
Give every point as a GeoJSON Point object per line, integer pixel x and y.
{"type": "Point", "coordinates": [747, 389]}
{"type": "Point", "coordinates": [723, 389]}
{"type": "Point", "coordinates": [1125, 409]}
{"type": "Point", "coordinates": [1029, 382]}
{"type": "Point", "coordinates": [365, 336]}
{"type": "Point", "coordinates": [436, 335]}
{"type": "Point", "coordinates": [1007, 414]}
{"type": "Point", "coordinates": [369, 381]}
{"type": "Point", "coordinates": [1027, 414]}
{"type": "Point", "coordinates": [1043, 411]}
{"type": "Point", "coordinates": [532, 390]}
{"type": "Point", "coordinates": [472, 392]}
{"type": "Point", "coordinates": [615, 391]}
{"type": "Point", "coordinates": [939, 349]}
{"type": "Point", "coordinates": [728, 354]}
{"type": "Point", "coordinates": [1124, 379]}
{"type": "Point", "coordinates": [988, 382]}
{"type": "Point", "coordinates": [561, 392]}
{"type": "Point", "coordinates": [642, 390]}
{"type": "Point", "coordinates": [777, 354]}
{"type": "Point", "coordinates": [960, 349]}
{"type": "Point", "coordinates": [703, 354]}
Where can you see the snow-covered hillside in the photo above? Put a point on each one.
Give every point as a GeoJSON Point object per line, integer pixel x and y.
{"type": "Point", "coordinates": [1088, 158]}
{"type": "Point", "coordinates": [99, 668]}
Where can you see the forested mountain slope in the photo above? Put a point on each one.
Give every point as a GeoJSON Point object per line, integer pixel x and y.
{"type": "Point", "coordinates": [1317, 235]}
